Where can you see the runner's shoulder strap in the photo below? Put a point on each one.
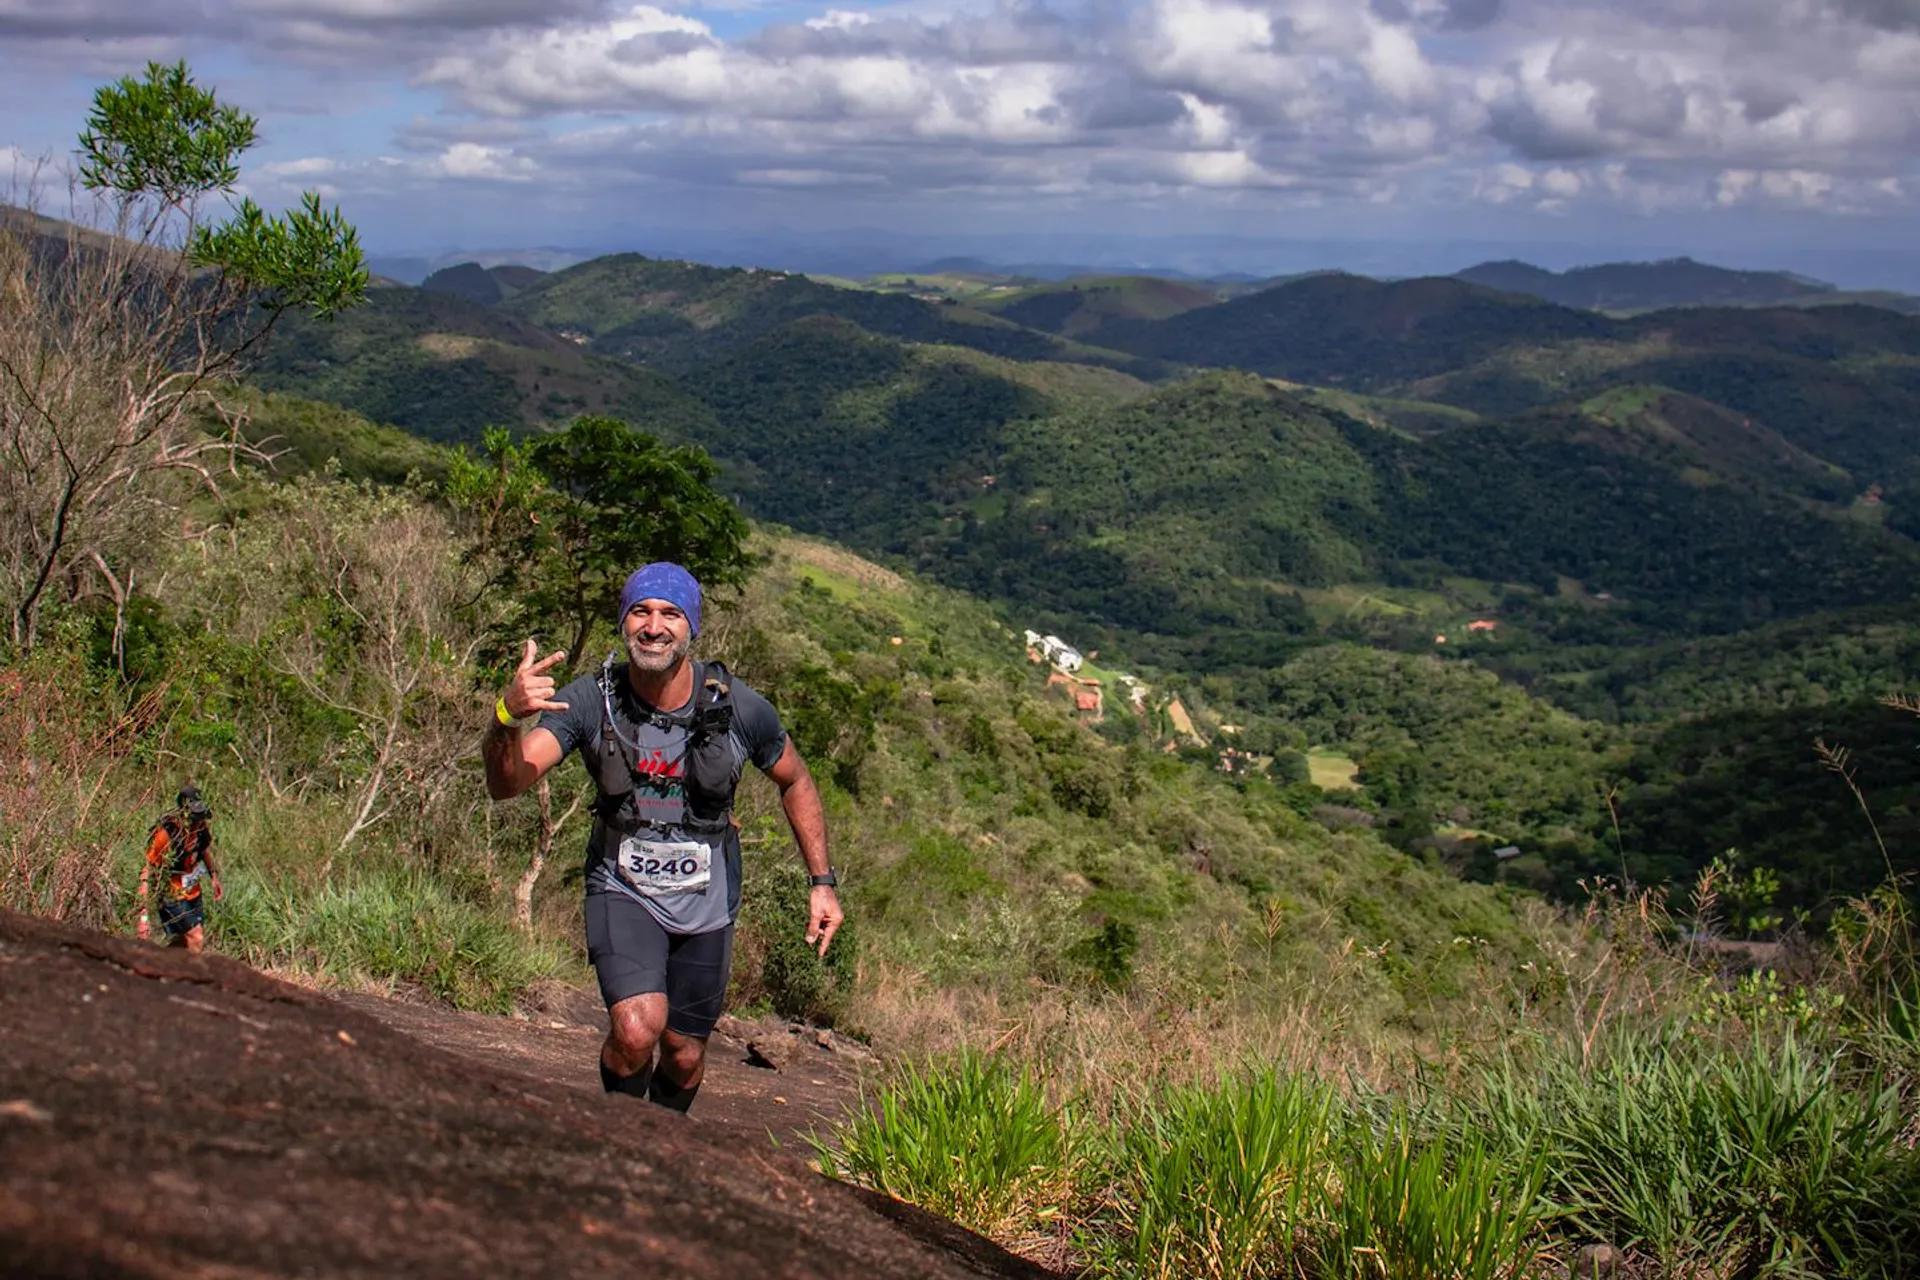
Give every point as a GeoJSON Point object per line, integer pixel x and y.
{"type": "Point", "coordinates": [179, 843]}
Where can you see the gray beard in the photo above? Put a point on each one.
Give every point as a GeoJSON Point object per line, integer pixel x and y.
{"type": "Point", "coordinates": [645, 660]}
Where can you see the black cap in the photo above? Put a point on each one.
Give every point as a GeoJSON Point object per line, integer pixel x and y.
{"type": "Point", "coordinates": [189, 799]}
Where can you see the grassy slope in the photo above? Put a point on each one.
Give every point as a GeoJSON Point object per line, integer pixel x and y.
{"type": "Point", "coordinates": [1701, 439]}
{"type": "Point", "coordinates": [989, 837]}
{"type": "Point", "coordinates": [309, 435]}
{"type": "Point", "coordinates": [995, 849]}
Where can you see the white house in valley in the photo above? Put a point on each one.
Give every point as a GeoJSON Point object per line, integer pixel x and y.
{"type": "Point", "coordinates": [1060, 653]}
{"type": "Point", "coordinates": [1055, 650]}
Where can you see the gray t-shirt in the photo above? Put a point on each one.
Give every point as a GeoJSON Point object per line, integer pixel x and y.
{"type": "Point", "coordinates": [659, 778]}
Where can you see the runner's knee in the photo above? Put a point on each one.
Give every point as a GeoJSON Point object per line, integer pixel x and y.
{"type": "Point", "coordinates": [637, 1024]}
{"type": "Point", "coordinates": [682, 1055]}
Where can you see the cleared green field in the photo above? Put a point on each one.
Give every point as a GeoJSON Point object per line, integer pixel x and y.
{"type": "Point", "coordinates": [1350, 599]}
{"type": "Point", "coordinates": [1332, 771]}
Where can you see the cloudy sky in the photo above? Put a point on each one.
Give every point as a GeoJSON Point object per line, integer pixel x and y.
{"type": "Point", "coordinates": [1759, 132]}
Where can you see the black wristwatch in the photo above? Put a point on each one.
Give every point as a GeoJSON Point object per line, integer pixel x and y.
{"type": "Point", "coordinates": [828, 880]}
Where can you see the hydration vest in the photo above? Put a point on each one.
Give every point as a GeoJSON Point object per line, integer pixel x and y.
{"type": "Point", "coordinates": [185, 847]}
{"type": "Point", "coordinates": [708, 776]}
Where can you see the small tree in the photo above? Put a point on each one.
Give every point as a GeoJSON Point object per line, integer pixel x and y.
{"type": "Point", "coordinates": [562, 519]}
{"type": "Point", "coordinates": [557, 523]}
{"type": "Point", "coordinates": [116, 336]}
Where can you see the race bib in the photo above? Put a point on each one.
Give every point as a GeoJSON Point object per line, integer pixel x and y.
{"type": "Point", "coordinates": [192, 878]}
{"type": "Point", "coordinates": [657, 868]}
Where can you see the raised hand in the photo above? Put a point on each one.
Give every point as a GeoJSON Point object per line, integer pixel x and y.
{"type": "Point", "coordinates": [531, 688]}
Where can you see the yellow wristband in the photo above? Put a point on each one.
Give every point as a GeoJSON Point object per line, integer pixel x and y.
{"type": "Point", "coordinates": [504, 716]}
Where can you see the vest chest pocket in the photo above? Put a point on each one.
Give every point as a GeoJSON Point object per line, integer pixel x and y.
{"type": "Point", "coordinates": [658, 868]}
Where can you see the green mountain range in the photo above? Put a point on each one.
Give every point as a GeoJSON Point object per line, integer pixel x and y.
{"type": "Point", "coordinates": [1625, 287]}
{"type": "Point", "coordinates": [1394, 461]}
{"type": "Point", "coordinates": [445, 367]}
{"type": "Point", "coordinates": [677, 315]}
{"type": "Point", "coordinates": [476, 283]}
{"type": "Point", "coordinates": [1074, 308]}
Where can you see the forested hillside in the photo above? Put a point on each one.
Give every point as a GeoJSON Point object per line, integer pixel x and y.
{"type": "Point", "coordinates": [445, 367]}
{"type": "Point", "coordinates": [1646, 286]}
{"type": "Point", "coordinates": [1076, 307]}
{"type": "Point", "coordinates": [677, 315]}
{"type": "Point", "coordinates": [1624, 287]}
{"type": "Point", "coordinates": [1350, 331]}
{"type": "Point", "coordinates": [1604, 490]}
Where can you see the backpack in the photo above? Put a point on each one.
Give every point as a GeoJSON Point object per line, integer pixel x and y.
{"type": "Point", "coordinates": [708, 776]}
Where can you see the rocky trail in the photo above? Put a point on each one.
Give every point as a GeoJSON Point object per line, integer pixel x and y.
{"type": "Point", "coordinates": [167, 1114]}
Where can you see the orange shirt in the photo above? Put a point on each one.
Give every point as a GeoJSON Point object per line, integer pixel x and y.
{"type": "Point", "coordinates": [187, 867]}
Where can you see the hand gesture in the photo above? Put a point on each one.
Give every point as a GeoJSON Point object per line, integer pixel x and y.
{"type": "Point", "coordinates": [823, 916]}
{"type": "Point", "coordinates": [531, 688]}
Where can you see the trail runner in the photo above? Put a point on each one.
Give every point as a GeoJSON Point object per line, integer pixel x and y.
{"type": "Point", "coordinates": [180, 846]}
{"type": "Point", "coordinates": [664, 738]}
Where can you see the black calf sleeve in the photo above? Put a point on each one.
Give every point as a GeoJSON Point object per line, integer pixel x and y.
{"type": "Point", "coordinates": [673, 1097]}
{"type": "Point", "coordinates": [634, 1086]}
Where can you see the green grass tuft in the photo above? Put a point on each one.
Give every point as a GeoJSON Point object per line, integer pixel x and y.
{"type": "Point", "coordinates": [977, 1139]}
{"type": "Point", "coordinates": [388, 926]}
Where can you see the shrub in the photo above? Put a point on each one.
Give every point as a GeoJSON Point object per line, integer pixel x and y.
{"type": "Point", "coordinates": [1419, 1207]}
{"type": "Point", "coordinates": [773, 962]}
{"type": "Point", "coordinates": [1762, 1160]}
{"type": "Point", "coordinates": [1226, 1182]}
{"type": "Point", "coordinates": [1107, 953]}
{"type": "Point", "coordinates": [975, 1140]}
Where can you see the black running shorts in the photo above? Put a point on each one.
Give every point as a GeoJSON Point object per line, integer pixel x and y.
{"type": "Point", "coordinates": [633, 956]}
{"type": "Point", "coordinates": [181, 915]}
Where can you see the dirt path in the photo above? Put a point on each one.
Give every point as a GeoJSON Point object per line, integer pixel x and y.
{"type": "Point", "coordinates": [166, 1114]}
{"type": "Point", "coordinates": [816, 1079]}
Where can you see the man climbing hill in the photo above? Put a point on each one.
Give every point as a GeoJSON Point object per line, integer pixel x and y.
{"type": "Point", "coordinates": [181, 843]}
{"type": "Point", "coordinates": [664, 738]}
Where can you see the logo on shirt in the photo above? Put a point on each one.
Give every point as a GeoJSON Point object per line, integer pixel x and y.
{"type": "Point", "coordinates": [656, 765]}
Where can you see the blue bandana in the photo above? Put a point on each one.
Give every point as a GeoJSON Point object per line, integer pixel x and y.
{"type": "Point", "coordinates": [662, 580]}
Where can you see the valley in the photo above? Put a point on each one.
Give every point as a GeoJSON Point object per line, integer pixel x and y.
{"type": "Point", "coordinates": [1416, 456]}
